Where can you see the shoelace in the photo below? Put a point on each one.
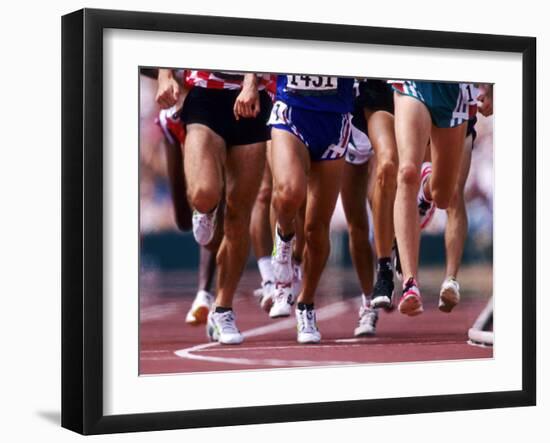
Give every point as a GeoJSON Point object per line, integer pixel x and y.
{"type": "Point", "coordinates": [367, 315]}
{"type": "Point", "coordinates": [227, 322]}
{"type": "Point", "coordinates": [307, 321]}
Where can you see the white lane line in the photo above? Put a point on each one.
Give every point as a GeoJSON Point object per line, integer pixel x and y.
{"type": "Point", "coordinates": [324, 313]}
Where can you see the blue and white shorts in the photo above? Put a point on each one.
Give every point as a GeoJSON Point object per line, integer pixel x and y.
{"type": "Point", "coordinates": [360, 148]}
{"type": "Point", "coordinates": [325, 134]}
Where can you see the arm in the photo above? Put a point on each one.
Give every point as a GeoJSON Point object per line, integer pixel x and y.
{"type": "Point", "coordinates": [485, 99]}
{"type": "Point", "coordinates": [247, 104]}
{"type": "Point", "coordinates": [168, 90]}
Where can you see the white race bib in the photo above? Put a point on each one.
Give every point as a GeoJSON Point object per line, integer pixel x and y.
{"type": "Point", "coordinates": [311, 83]}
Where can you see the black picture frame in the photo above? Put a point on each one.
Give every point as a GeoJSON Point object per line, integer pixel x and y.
{"type": "Point", "coordinates": [82, 220]}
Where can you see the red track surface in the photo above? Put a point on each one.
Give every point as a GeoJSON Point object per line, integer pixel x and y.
{"type": "Point", "coordinates": [165, 299]}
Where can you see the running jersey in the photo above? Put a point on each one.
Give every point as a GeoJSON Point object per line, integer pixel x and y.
{"type": "Point", "coordinates": [316, 92]}
{"type": "Point", "coordinates": [471, 93]}
{"type": "Point", "coordinates": [220, 80]}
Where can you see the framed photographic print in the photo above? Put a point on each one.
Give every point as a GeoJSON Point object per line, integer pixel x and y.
{"type": "Point", "coordinates": [269, 221]}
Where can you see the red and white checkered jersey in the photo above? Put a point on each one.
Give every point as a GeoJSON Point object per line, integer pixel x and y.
{"type": "Point", "coordinates": [220, 80]}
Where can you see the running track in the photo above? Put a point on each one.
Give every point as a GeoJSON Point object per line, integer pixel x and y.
{"type": "Point", "coordinates": [168, 345]}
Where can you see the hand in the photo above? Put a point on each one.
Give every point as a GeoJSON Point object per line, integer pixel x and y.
{"type": "Point", "coordinates": [247, 104]}
{"type": "Point", "coordinates": [485, 99]}
{"type": "Point", "coordinates": [168, 90]}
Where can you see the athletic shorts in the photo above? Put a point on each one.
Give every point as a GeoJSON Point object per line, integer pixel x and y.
{"type": "Point", "coordinates": [170, 122]}
{"type": "Point", "coordinates": [325, 134]}
{"type": "Point", "coordinates": [214, 108]}
{"type": "Point", "coordinates": [446, 102]}
{"type": "Point", "coordinates": [360, 148]}
{"type": "Point", "coordinates": [375, 95]}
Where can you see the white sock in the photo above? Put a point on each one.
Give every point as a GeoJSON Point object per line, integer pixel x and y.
{"type": "Point", "coordinates": [266, 271]}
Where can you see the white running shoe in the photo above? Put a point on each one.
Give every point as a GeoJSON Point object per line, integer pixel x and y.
{"type": "Point", "coordinates": [368, 317]}
{"type": "Point", "coordinates": [296, 281]}
{"type": "Point", "coordinates": [222, 328]}
{"type": "Point", "coordinates": [411, 302]}
{"type": "Point", "coordinates": [281, 260]}
{"type": "Point", "coordinates": [204, 226]}
{"type": "Point", "coordinates": [449, 296]}
{"type": "Point", "coordinates": [198, 312]}
{"type": "Point", "coordinates": [426, 208]}
{"type": "Point", "coordinates": [266, 297]}
{"type": "Point", "coordinates": [282, 301]}
{"type": "Point", "coordinates": [307, 326]}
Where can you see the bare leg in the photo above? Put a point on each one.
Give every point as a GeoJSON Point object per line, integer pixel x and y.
{"type": "Point", "coordinates": [354, 193]}
{"type": "Point", "coordinates": [382, 136]}
{"type": "Point", "coordinates": [178, 187]}
{"type": "Point", "coordinates": [203, 163]}
{"type": "Point", "coordinates": [260, 229]}
{"type": "Point", "coordinates": [412, 129]}
{"type": "Point", "coordinates": [457, 219]}
{"type": "Point", "coordinates": [244, 168]}
{"type": "Point", "coordinates": [447, 146]}
{"type": "Point", "coordinates": [207, 268]}
{"type": "Point", "coordinates": [290, 164]}
{"type": "Point", "coordinates": [323, 189]}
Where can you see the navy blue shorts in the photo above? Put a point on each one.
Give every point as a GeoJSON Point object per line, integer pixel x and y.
{"type": "Point", "coordinates": [325, 134]}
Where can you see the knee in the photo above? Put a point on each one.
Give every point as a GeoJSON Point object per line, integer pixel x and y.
{"type": "Point", "coordinates": [441, 198]}
{"type": "Point", "coordinates": [288, 197]}
{"type": "Point", "coordinates": [317, 235]}
{"type": "Point", "coordinates": [386, 174]}
{"type": "Point", "coordinates": [236, 222]}
{"type": "Point", "coordinates": [409, 175]}
{"type": "Point", "coordinates": [264, 195]}
{"type": "Point", "coordinates": [204, 198]}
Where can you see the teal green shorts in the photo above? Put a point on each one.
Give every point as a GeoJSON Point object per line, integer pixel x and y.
{"type": "Point", "coordinates": [447, 103]}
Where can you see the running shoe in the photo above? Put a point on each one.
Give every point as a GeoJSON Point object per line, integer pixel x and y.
{"type": "Point", "coordinates": [198, 313]}
{"type": "Point", "coordinates": [204, 226]}
{"type": "Point", "coordinates": [221, 327]}
{"type": "Point", "coordinates": [307, 326]}
{"type": "Point", "coordinates": [282, 301]}
{"type": "Point", "coordinates": [411, 302]}
{"type": "Point", "coordinates": [397, 261]}
{"type": "Point", "coordinates": [382, 293]}
{"type": "Point", "coordinates": [426, 208]}
{"type": "Point", "coordinates": [266, 297]}
{"type": "Point", "coordinates": [449, 295]}
{"type": "Point", "coordinates": [368, 317]}
{"type": "Point", "coordinates": [282, 259]}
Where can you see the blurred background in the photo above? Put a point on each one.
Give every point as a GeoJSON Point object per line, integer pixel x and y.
{"type": "Point", "coordinates": [163, 247]}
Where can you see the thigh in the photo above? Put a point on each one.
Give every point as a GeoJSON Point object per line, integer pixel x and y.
{"type": "Point", "coordinates": [447, 146]}
{"type": "Point", "coordinates": [354, 192]}
{"type": "Point", "coordinates": [244, 170]}
{"type": "Point", "coordinates": [324, 185]}
{"type": "Point", "coordinates": [412, 129]}
{"type": "Point", "coordinates": [204, 156]}
{"type": "Point", "coordinates": [290, 161]}
{"type": "Point", "coordinates": [382, 135]}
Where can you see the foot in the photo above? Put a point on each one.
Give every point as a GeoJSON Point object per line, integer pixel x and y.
{"type": "Point", "coordinates": [281, 260]}
{"type": "Point", "coordinates": [382, 293]}
{"type": "Point", "coordinates": [426, 208]}
{"type": "Point", "coordinates": [368, 317]}
{"type": "Point", "coordinates": [266, 297]}
{"type": "Point", "coordinates": [204, 226]}
{"type": "Point", "coordinates": [449, 295]}
{"type": "Point", "coordinates": [222, 328]}
{"type": "Point", "coordinates": [198, 313]}
{"type": "Point", "coordinates": [307, 326]}
{"type": "Point", "coordinates": [282, 301]}
{"type": "Point", "coordinates": [411, 302]}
